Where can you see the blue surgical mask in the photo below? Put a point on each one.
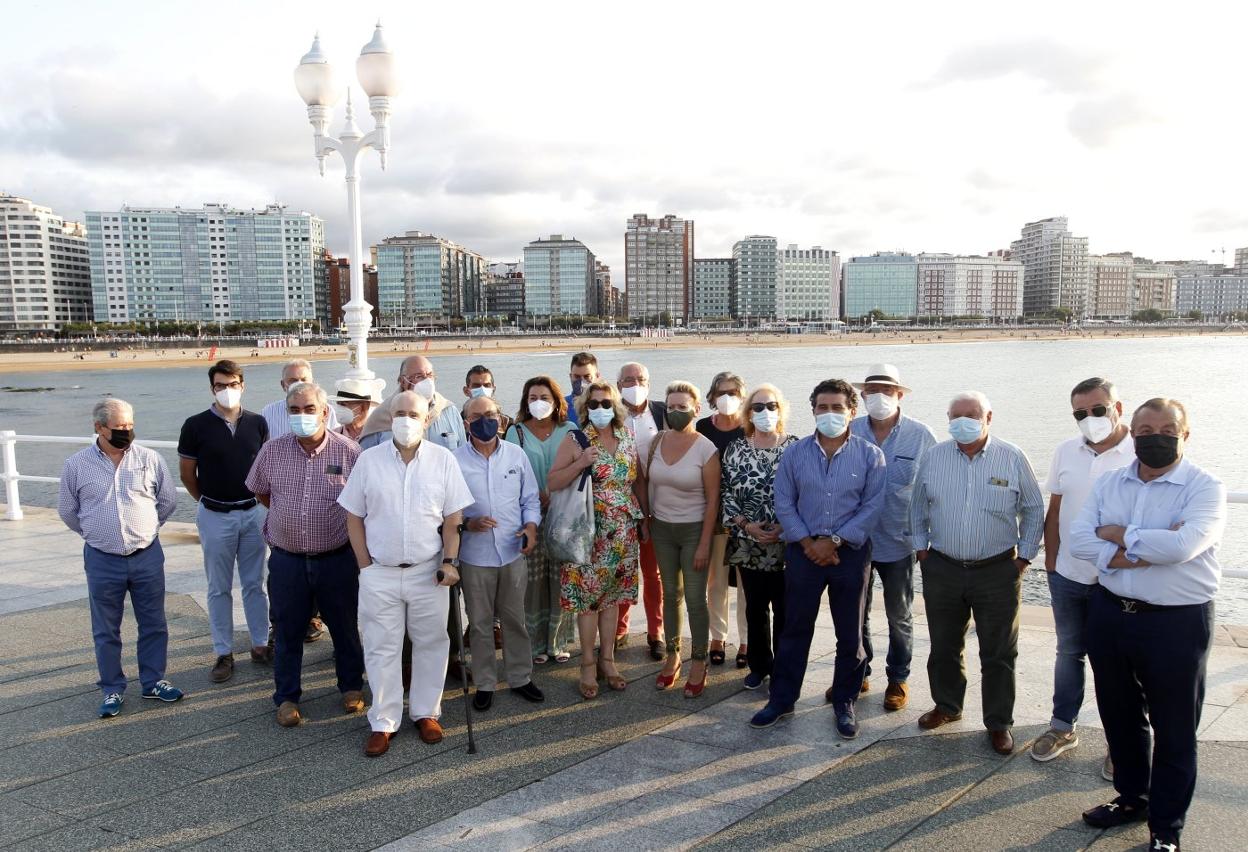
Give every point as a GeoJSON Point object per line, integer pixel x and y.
{"type": "Point", "coordinates": [481, 391]}
{"type": "Point", "coordinates": [831, 424]}
{"type": "Point", "coordinates": [965, 430]}
{"type": "Point", "coordinates": [601, 417]}
{"type": "Point", "coordinates": [578, 385]}
{"type": "Point", "coordinates": [305, 425]}
{"type": "Point", "coordinates": [484, 429]}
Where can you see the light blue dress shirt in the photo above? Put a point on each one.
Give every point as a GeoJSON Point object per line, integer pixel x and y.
{"type": "Point", "coordinates": [117, 509]}
{"type": "Point", "coordinates": [446, 430]}
{"type": "Point", "coordinates": [903, 448]}
{"type": "Point", "coordinates": [842, 495]}
{"type": "Point", "coordinates": [1183, 565]}
{"type": "Point", "coordinates": [976, 508]}
{"type": "Point", "coordinates": [504, 488]}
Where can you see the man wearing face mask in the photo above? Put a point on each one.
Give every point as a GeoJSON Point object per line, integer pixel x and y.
{"type": "Point", "coordinates": [217, 448]}
{"type": "Point", "coordinates": [976, 517]}
{"type": "Point", "coordinates": [116, 495]}
{"type": "Point", "coordinates": [1152, 529]}
{"type": "Point", "coordinates": [298, 477]}
{"type": "Point", "coordinates": [582, 373]}
{"type": "Point", "coordinates": [480, 382]}
{"type": "Point", "coordinates": [1104, 444]}
{"type": "Point", "coordinates": [446, 426]}
{"type": "Point", "coordinates": [274, 414]}
{"type": "Point", "coordinates": [405, 501]}
{"type": "Point", "coordinates": [903, 441]}
{"type": "Point", "coordinates": [500, 529]}
{"type": "Point", "coordinates": [356, 399]}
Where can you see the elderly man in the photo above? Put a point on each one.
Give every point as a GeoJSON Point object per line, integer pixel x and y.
{"type": "Point", "coordinates": [644, 420]}
{"type": "Point", "coordinates": [1152, 529]}
{"type": "Point", "coordinates": [903, 441]}
{"type": "Point", "coordinates": [500, 529]}
{"type": "Point", "coordinates": [356, 398]}
{"type": "Point", "coordinates": [274, 414]}
{"type": "Point", "coordinates": [582, 373]}
{"type": "Point", "coordinates": [405, 500]}
{"type": "Point", "coordinates": [116, 495]}
{"type": "Point", "coordinates": [480, 382]}
{"type": "Point", "coordinates": [217, 448]}
{"type": "Point", "coordinates": [446, 426]}
{"type": "Point", "coordinates": [975, 522]}
{"type": "Point", "coordinates": [298, 477]}
{"type": "Point", "coordinates": [829, 492]}
{"type": "Point", "coordinates": [1104, 444]}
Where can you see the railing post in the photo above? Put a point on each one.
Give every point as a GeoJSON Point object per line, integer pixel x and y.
{"type": "Point", "coordinates": [8, 444]}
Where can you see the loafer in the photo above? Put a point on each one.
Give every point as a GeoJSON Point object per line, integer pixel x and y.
{"type": "Point", "coordinates": [262, 655]}
{"type": "Point", "coordinates": [163, 690]}
{"type": "Point", "coordinates": [222, 669]}
{"type": "Point", "coordinates": [483, 700]}
{"type": "Point", "coordinates": [846, 723]}
{"type": "Point", "coordinates": [1052, 743]}
{"type": "Point", "coordinates": [1002, 741]}
{"type": "Point", "coordinates": [657, 649]}
{"type": "Point", "coordinates": [530, 692]}
{"type": "Point", "coordinates": [769, 715]}
{"type": "Point", "coordinates": [430, 730]}
{"type": "Point", "coordinates": [753, 681]}
{"type": "Point", "coordinates": [111, 705]}
{"type": "Point", "coordinates": [866, 686]}
{"type": "Point", "coordinates": [1120, 811]}
{"type": "Point", "coordinates": [378, 743]}
{"type": "Point", "coordinates": [352, 701]}
{"type": "Point", "coordinates": [288, 714]}
{"type": "Point", "coordinates": [934, 718]}
{"type": "Point", "coordinates": [896, 696]}
{"type": "Point", "coordinates": [1163, 841]}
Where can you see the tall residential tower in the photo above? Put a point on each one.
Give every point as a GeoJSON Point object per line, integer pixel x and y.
{"type": "Point", "coordinates": [45, 273]}
{"type": "Point", "coordinates": [658, 267]}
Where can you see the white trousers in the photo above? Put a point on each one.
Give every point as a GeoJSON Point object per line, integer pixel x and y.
{"type": "Point", "coordinates": [717, 589]}
{"type": "Point", "coordinates": [392, 600]}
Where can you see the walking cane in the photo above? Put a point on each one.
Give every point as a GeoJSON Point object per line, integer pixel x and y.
{"type": "Point", "coordinates": [463, 663]}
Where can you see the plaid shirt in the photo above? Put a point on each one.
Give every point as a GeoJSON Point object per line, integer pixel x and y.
{"type": "Point", "coordinates": [116, 508]}
{"type": "Point", "coordinates": [304, 515]}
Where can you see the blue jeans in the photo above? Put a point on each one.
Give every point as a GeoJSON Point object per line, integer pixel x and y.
{"type": "Point", "coordinates": [898, 581]}
{"type": "Point", "coordinates": [1070, 617]}
{"type": "Point", "coordinates": [229, 539]}
{"type": "Point", "coordinates": [109, 577]}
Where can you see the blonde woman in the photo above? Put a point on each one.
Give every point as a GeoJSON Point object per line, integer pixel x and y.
{"type": "Point", "coordinates": [756, 550]}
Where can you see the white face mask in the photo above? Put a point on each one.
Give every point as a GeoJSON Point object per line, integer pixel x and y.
{"type": "Point", "coordinates": [1096, 429]}
{"type": "Point", "coordinates": [765, 421]}
{"type": "Point", "coordinates": [880, 406]}
{"type": "Point", "coordinates": [727, 404]}
{"type": "Point", "coordinates": [344, 414]}
{"type": "Point", "coordinates": [540, 408]}
{"type": "Point", "coordinates": [425, 387]}
{"type": "Point", "coordinates": [407, 431]}
{"type": "Point", "coordinates": [831, 424]}
{"type": "Point", "coordinates": [229, 398]}
{"type": "Point", "coordinates": [635, 395]}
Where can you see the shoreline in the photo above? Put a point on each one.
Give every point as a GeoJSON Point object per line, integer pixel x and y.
{"type": "Point", "coordinates": [187, 356]}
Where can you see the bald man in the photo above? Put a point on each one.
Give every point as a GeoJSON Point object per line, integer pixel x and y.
{"type": "Point", "coordinates": [446, 426]}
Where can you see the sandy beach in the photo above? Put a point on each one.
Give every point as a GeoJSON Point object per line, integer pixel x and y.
{"type": "Point", "coordinates": [130, 355]}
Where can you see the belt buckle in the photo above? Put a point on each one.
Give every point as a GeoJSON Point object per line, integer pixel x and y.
{"type": "Point", "coordinates": [1128, 606]}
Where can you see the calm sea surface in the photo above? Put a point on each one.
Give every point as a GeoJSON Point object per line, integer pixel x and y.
{"type": "Point", "coordinates": [1028, 382]}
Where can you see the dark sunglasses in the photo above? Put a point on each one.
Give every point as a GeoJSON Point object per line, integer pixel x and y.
{"type": "Point", "coordinates": [764, 406]}
{"type": "Point", "coordinates": [598, 403]}
{"type": "Point", "coordinates": [1095, 411]}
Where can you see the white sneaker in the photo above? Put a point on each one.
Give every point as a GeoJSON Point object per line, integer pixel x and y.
{"type": "Point", "coordinates": [1052, 743]}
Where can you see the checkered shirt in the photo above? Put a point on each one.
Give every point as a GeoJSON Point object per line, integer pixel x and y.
{"type": "Point", "coordinates": [303, 488]}
{"type": "Point", "coordinates": [116, 508]}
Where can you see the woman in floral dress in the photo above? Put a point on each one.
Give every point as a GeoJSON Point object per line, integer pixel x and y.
{"type": "Point", "coordinates": [594, 591]}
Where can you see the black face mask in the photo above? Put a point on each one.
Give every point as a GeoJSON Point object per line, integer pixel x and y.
{"type": "Point", "coordinates": [1157, 451]}
{"type": "Point", "coordinates": [121, 438]}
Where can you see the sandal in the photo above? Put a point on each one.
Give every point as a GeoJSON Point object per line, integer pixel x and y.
{"type": "Point", "coordinates": [562, 657]}
{"type": "Point", "coordinates": [743, 659]}
{"type": "Point", "coordinates": [717, 657]}
{"type": "Point", "coordinates": [615, 681]}
{"type": "Point", "coordinates": [589, 691]}
{"type": "Point", "coordinates": [541, 660]}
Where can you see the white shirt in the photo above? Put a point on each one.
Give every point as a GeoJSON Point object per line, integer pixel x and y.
{"type": "Point", "coordinates": [643, 429]}
{"type": "Point", "coordinates": [1183, 565]}
{"type": "Point", "coordinates": [278, 418]}
{"type": "Point", "coordinates": [1075, 468]}
{"type": "Point", "coordinates": [404, 504]}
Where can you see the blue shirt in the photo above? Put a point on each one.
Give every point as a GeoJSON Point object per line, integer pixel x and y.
{"type": "Point", "coordinates": [975, 508]}
{"type": "Point", "coordinates": [446, 430]}
{"type": "Point", "coordinates": [570, 399]}
{"type": "Point", "coordinates": [116, 508]}
{"type": "Point", "coordinates": [903, 447]}
{"type": "Point", "coordinates": [842, 495]}
{"type": "Point", "coordinates": [504, 488]}
{"type": "Point", "coordinates": [1183, 566]}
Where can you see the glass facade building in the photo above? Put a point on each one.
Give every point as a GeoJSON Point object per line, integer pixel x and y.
{"type": "Point", "coordinates": [714, 283]}
{"type": "Point", "coordinates": [808, 284]}
{"type": "Point", "coordinates": [558, 277]}
{"type": "Point", "coordinates": [755, 257]}
{"type": "Point", "coordinates": [45, 273]}
{"type": "Point", "coordinates": [887, 282]}
{"type": "Point", "coordinates": [421, 276]}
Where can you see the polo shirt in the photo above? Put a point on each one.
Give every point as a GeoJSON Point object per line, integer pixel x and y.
{"type": "Point", "coordinates": [1074, 471]}
{"type": "Point", "coordinates": [223, 456]}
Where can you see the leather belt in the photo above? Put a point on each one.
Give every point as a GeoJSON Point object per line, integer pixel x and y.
{"type": "Point", "coordinates": [218, 506]}
{"type": "Point", "coordinates": [976, 563]}
{"type": "Point", "coordinates": [1131, 606]}
{"type": "Point", "coordinates": [335, 552]}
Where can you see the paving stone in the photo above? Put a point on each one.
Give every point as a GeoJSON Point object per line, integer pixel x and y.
{"type": "Point", "coordinates": [961, 829]}
{"type": "Point", "coordinates": [28, 764]}
{"type": "Point", "coordinates": [20, 820]}
{"type": "Point", "coordinates": [483, 828]}
{"type": "Point", "coordinates": [105, 787]}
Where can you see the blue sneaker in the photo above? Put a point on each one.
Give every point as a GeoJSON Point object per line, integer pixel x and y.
{"type": "Point", "coordinates": [846, 724]}
{"type": "Point", "coordinates": [769, 715]}
{"type": "Point", "coordinates": [163, 691]}
{"type": "Point", "coordinates": [754, 681]}
{"type": "Point", "coordinates": [111, 705]}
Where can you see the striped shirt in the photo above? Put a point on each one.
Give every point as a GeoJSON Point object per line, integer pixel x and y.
{"type": "Point", "coordinates": [303, 488]}
{"type": "Point", "coordinates": [903, 447]}
{"type": "Point", "coordinates": [821, 496]}
{"type": "Point", "coordinates": [975, 508]}
{"type": "Point", "coordinates": [116, 508]}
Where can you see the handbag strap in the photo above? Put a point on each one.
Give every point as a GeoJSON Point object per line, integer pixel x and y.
{"type": "Point", "coordinates": [582, 441]}
{"type": "Point", "coordinates": [654, 446]}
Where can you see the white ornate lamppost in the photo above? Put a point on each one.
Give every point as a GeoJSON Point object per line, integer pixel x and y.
{"type": "Point", "coordinates": [315, 81]}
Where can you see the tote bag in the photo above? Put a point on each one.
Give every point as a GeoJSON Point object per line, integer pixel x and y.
{"type": "Point", "coordinates": [570, 516]}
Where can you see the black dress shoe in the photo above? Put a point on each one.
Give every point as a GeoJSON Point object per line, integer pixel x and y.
{"type": "Point", "coordinates": [529, 692]}
{"type": "Point", "coordinates": [1118, 812]}
{"type": "Point", "coordinates": [657, 648]}
{"type": "Point", "coordinates": [483, 700]}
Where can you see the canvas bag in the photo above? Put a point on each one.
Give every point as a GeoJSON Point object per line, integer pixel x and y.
{"type": "Point", "coordinates": [570, 516]}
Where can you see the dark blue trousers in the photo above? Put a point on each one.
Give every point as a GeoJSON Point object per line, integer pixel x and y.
{"type": "Point", "coordinates": [1149, 667]}
{"type": "Point", "coordinates": [299, 585]}
{"type": "Point", "coordinates": [804, 583]}
{"type": "Point", "coordinates": [109, 578]}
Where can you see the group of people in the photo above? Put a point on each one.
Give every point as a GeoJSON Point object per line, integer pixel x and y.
{"type": "Point", "coordinates": [370, 513]}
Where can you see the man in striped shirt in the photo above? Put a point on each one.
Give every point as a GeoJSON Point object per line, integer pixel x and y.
{"type": "Point", "coordinates": [976, 517]}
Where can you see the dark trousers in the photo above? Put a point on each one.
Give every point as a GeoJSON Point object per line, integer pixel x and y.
{"type": "Point", "coordinates": [804, 582]}
{"type": "Point", "coordinates": [897, 578]}
{"type": "Point", "coordinates": [298, 586]}
{"type": "Point", "coordinates": [764, 615]}
{"type": "Point", "coordinates": [952, 594]}
{"type": "Point", "coordinates": [109, 578]}
{"type": "Point", "coordinates": [1150, 667]}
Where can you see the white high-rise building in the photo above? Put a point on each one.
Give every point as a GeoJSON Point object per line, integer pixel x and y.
{"type": "Point", "coordinates": [558, 277]}
{"type": "Point", "coordinates": [1056, 264]}
{"type": "Point", "coordinates": [422, 277]}
{"type": "Point", "coordinates": [45, 271]}
{"type": "Point", "coordinates": [807, 284]}
{"type": "Point", "coordinates": [755, 258]}
{"type": "Point", "coordinates": [969, 286]}
{"type": "Point", "coordinates": [658, 267]}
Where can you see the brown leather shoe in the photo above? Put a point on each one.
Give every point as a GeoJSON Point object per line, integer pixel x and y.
{"type": "Point", "coordinates": [352, 701]}
{"type": "Point", "coordinates": [223, 669]}
{"type": "Point", "coordinates": [1002, 741]}
{"type": "Point", "coordinates": [498, 636]}
{"type": "Point", "coordinates": [827, 695]}
{"type": "Point", "coordinates": [896, 696]}
{"type": "Point", "coordinates": [866, 686]}
{"type": "Point", "coordinates": [934, 718]}
{"type": "Point", "coordinates": [430, 730]}
{"type": "Point", "coordinates": [288, 714]}
{"type": "Point", "coordinates": [262, 655]}
{"type": "Point", "coordinates": [378, 743]}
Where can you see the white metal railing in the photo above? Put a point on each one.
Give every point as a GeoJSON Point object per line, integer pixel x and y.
{"type": "Point", "coordinates": [12, 479]}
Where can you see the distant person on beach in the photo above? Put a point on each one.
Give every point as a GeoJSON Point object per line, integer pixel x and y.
{"type": "Point", "coordinates": [582, 373]}
{"type": "Point", "coordinates": [274, 414]}
{"type": "Point", "coordinates": [117, 495]}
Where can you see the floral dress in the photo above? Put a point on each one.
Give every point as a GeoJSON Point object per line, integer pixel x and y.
{"type": "Point", "coordinates": [611, 577]}
{"type": "Point", "coordinates": [749, 490]}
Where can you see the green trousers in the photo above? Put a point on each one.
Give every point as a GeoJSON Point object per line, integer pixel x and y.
{"type": "Point", "coordinates": [674, 546]}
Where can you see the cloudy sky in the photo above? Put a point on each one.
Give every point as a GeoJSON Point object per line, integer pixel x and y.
{"type": "Point", "coordinates": [858, 127]}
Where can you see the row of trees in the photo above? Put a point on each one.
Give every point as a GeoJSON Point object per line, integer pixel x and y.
{"type": "Point", "coordinates": [171, 328]}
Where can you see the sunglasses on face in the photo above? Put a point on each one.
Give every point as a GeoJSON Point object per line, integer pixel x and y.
{"type": "Point", "coordinates": [598, 403]}
{"type": "Point", "coordinates": [764, 406]}
{"type": "Point", "coordinates": [1094, 411]}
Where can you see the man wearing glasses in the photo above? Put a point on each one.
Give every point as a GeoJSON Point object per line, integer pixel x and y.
{"type": "Point", "coordinates": [446, 426]}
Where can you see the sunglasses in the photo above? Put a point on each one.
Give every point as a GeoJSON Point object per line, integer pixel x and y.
{"type": "Point", "coordinates": [598, 403]}
{"type": "Point", "coordinates": [764, 406]}
{"type": "Point", "coordinates": [1094, 411]}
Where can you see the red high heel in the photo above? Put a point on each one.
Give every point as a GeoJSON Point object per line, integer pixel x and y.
{"type": "Point", "coordinates": [664, 681]}
{"type": "Point", "coordinates": [693, 690]}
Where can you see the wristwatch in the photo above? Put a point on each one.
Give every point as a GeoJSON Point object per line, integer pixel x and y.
{"type": "Point", "coordinates": [836, 539]}
{"type": "Point", "coordinates": [460, 529]}
{"type": "Point", "coordinates": [453, 561]}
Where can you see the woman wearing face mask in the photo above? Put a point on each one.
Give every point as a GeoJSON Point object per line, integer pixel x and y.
{"type": "Point", "coordinates": [595, 591]}
{"type": "Point", "coordinates": [756, 551]}
{"type": "Point", "coordinates": [723, 428]}
{"type": "Point", "coordinates": [540, 428]}
{"type": "Point", "coordinates": [683, 469]}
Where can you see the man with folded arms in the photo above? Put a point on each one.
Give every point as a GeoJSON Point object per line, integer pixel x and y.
{"type": "Point", "coordinates": [405, 500]}
{"type": "Point", "coordinates": [298, 477]}
{"type": "Point", "coordinates": [976, 517]}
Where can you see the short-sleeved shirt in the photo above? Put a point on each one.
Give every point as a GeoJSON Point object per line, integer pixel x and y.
{"type": "Point", "coordinates": [721, 439]}
{"type": "Point", "coordinates": [676, 492]}
{"type": "Point", "coordinates": [541, 453]}
{"type": "Point", "coordinates": [403, 504]}
{"type": "Point", "coordinates": [1074, 471]}
{"type": "Point", "coordinates": [223, 456]}
{"type": "Point", "coordinates": [303, 488]}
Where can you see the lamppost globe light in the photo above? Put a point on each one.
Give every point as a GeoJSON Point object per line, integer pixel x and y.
{"type": "Point", "coordinates": [375, 68]}
{"type": "Point", "coordinates": [314, 77]}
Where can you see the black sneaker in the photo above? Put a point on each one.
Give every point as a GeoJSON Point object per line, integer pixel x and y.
{"type": "Point", "coordinates": [1163, 841]}
{"type": "Point", "coordinates": [483, 700]}
{"type": "Point", "coordinates": [1118, 812]}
